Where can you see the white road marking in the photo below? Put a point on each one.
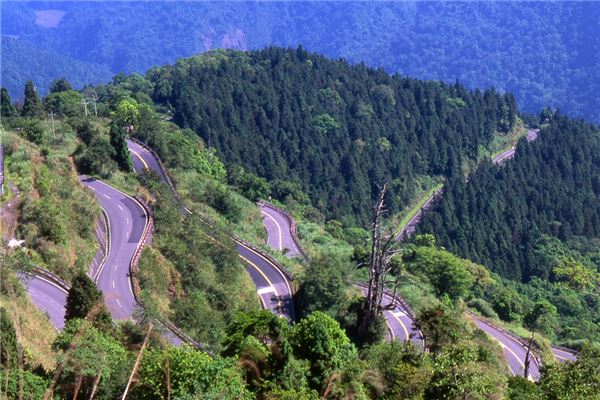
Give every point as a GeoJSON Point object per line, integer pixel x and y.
{"type": "Point", "coordinates": [105, 195]}
{"type": "Point", "coordinates": [127, 220]}
{"type": "Point", "coordinates": [278, 228]}
{"type": "Point", "coordinates": [119, 303]}
{"type": "Point", "coordinates": [114, 269]}
{"type": "Point", "coordinates": [113, 284]}
{"type": "Point", "coordinates": [399, 313]}
{"type": "Point", "coordinates": [267, 289]}
{"type": "Point", "coordinates": [120, 208]}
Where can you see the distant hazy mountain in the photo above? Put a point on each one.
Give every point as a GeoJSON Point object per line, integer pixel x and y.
{"type": "Point", "coordinates": [546, 53]}
{"type": "Point", "coordinates": [22, 61]}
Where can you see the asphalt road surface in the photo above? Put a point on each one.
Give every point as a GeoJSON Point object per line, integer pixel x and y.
{"type": "Point", "coordinates": [127, 221]}
{"type": "Point", "coordinates": [271, 284]}
{"type": "Point", "coordinates": [514, 351]}
{"type": "Point", "coordinates": [47, 296]}
{"type": "Point", "coordinates": [279, 234]}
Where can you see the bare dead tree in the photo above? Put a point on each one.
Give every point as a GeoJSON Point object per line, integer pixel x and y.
{"type": "Point", "coordinates": [137, 361]}
{"type": "Point", "coordinates": [383, 249]}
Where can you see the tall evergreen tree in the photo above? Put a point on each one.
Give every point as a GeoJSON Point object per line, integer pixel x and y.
{"type": "Point", "coordinates": [7, 108]}
{"type": "Point", "coordinates": [32, 105]}
{"type": "Point", "coordinates": [82, 297]}
{"type": "Point", "coordinates": [118, 142]}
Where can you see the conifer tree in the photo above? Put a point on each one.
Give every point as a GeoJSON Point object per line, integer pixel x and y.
{"type": "Point", "coordinates": [118, 142]}
{"type": "Point", "coordinates": [32, 105]}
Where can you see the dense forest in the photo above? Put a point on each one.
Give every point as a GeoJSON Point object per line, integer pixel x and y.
{"type": "Point", "coordinates": [500, 216]}
{"type": "Point", "coordinates": [335, 130]}
{"type": "Point", "coordinates": [191, 275]}
{"type": "Point", "coordinates": [546, 53]}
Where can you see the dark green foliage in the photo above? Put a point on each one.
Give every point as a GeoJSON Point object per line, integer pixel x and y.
{"type": "Point", "coordinates": [82, 298]}
{"type": "Point", "coordinates": [323, 286]}
{"type": "Point", "coordinates": [500, 216]}
{"type": "Point", "coordinates": [118, 142]}
{"type": "Point", "coordinates": [33, 130]}
{"type": "Point", "coordinates": [32, 105]}
{"type": "Point", "coordinates": [295, 116]}
{"type": "Point", "coordinates": [248, 184]}
{"type": "Point", "coordinates": [60, 85]}
{"type": "Point", "coordinates": [8, 342]}
{"type": "Point", "coordinates": [97, 158]}
{"type": "Point", "coordinates": [7, 108]}
{"type": "Point", "coordinates": [442, 327]}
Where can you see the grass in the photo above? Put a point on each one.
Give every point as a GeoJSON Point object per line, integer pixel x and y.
{"type": "Point", "coordinates": [424, 191]}
{"type": "Point", "coordinates": [35, 332]}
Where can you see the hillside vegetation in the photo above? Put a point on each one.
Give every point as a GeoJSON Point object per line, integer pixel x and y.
{"type": "Point", "coordinates": [336, 132]}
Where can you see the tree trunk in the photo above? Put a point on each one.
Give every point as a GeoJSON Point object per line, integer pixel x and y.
{"type": "Point", "coordinates": [137, 362]}
{"type": "Point", "coordinates": [96, 383]}
{"type": "Point", "coordinates": [77, 387]}
{"type": "Point", "coordinates": [528, 356]}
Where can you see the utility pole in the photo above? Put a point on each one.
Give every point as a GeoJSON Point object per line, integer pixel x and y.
{"type": "Point", "coordinates": [85, 103]}
{"type": "Point", "coordinates": [53, 130]}
{"type": "Point", "coordinates": [95, 98]}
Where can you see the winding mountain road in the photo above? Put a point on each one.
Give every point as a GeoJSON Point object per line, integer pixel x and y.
{"type": "Point", "coordinates": [272, 285]}
{"type": "Point", "coordinates": [127, 222]}
{"type": "Point", "coordinates": [514, 351]}
{"type": "Point", "coordinates": [279, 236]}
{"type": "Point", "coordinates": [279, 228]}
{"type": "Point", "coordinates": [47, 296]}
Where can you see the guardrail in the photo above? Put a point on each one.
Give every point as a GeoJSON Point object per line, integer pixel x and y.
{"type": "Point", "coordinates": [133, 270]}
{"type": "Point", "coordinates": [44, 273]}
{"type": "Point", "coordinates": [292, 222]}
{"type": "Point", "coordinates": [160, 165]}
{"type": "Point", "coordinates": [410, 227]}
{"type": "Point", "coordinates": [234, 238]}
{"type": "Point", "coordinates": [535, 351]}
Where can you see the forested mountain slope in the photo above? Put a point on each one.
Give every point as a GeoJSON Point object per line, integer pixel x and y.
{"type": "Point", "coordinates": [544, 52]}
{"type": "Point", "coordinates": [23, 61]}
{"type": "Point", "coordinates": [500, 216]}
{"type": "Point", "coordinates": [336, 131]}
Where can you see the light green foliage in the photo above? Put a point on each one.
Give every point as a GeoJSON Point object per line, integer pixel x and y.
{"type": "Point", "coordinates": [542, 318]}
{"type": "Point", "coordinates": [458, 373]}
{"type": "Point", "coordinates": [65, 103]}
{"type": "Point", "coordinates": [184, 373]}
{"type": "Point", "coordinates": [575, 275]}
{"type": "Point", "coordinates": [325, 124]}
{"type": "Point", "coordinates": [320, 339]}
{"type": "Point", "coordinates": [88, 352]}
{"type": "Point", "coordinates": [577, 380]}
{"type": "Point", "coordinates": [127, 113]}
{"type": "Point", "coordinates": [448, 274]}
{"type": "Point", "coordinates": [57, 215]}
{"type": "Point", "coordinates": [33, 385]}
{"type": "Point", "coordinates": [323, 286]}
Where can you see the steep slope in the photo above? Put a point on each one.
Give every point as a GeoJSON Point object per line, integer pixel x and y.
{"type": "Point", "coordinates": [335, 130]}
{"type": "Point", "coordinates": [23, 61]}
